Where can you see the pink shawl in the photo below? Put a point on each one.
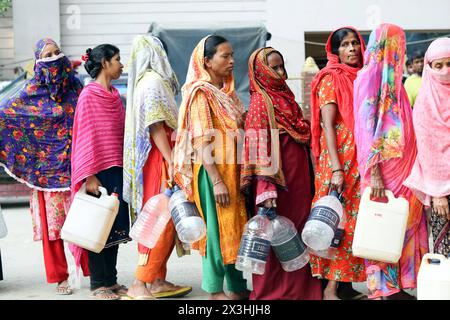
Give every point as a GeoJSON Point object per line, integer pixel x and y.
{"type": "Point", "coordinates": [98, 133]}
{"type": "Point", "coordinates": [430, 176]}
{"type": "Point", "coordinates": [383, 117]}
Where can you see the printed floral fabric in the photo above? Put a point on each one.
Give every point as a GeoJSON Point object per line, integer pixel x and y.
{"type": "Point", "coordinates": [57, 206]}
{"type": "Point", "coordinates": [36, 126]}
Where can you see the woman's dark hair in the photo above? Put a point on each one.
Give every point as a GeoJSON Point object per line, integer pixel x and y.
{"type": "Point", "coordinates": [337, 38]}
{"type": "Point", "coordinates": [211, 45]}
{"type": "Point", "coordinates": [95, 56]}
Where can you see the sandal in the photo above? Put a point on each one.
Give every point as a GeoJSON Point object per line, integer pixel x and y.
{"type": "Point", "coordinates": [104, 294]}
{"type": "Point", "coordinates": [64, 290]}
{"type": "Point", "coordinates": [119, 289]}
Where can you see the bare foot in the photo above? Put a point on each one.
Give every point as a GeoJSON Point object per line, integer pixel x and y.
{"type": "Point", "coordinates": [243, 295]}
{"type": "Point", "coordinates": [330, 295]}
{"type": "Point", "coordinates": [160, 285]}
{"type": "Point", "coordinates": [104, 294]}
{"type": "Point", "coordinates": [218, 296]}
{"type": "Point", "coordinates": [139, 289]}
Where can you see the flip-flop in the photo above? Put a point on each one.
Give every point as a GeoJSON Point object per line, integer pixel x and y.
{"type": "Point", "coordinates": [173, 293]}
{"type": "Point", "coordinates": [127, 297]}
{"type": "Point", "coordinates": [119, 289]}
{"type": "Point", "coordinates": [97, 294]}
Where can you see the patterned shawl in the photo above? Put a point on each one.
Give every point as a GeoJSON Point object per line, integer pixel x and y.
{"type": "Point", "coordinates": [342, 76]}
{"type": "Point", "coordinates": [98, 132]}
{"type": "Point", "coordinates": [152, 86]}
{"type": "Point", "coordinates": [36, 125]}
{"type": "Point", "coordinates": [224, 103]}
{"type": "Point", "coordinates": [430, 176]}
{"type": "Point", "coordinates": [383, 116]}
{"type": "Point", "coordinates": [272, 107]}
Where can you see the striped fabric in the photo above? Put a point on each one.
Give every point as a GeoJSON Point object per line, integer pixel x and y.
{"type": "Point", "coordinates": [98, 133]}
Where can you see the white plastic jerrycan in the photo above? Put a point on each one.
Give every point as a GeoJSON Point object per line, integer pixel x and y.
{"type": "Point", "coordinates": [433, 280]}
{"type": "Point", "coordinates": [90, 219]}
{"type": "Point", "coordinates": [380, 228]}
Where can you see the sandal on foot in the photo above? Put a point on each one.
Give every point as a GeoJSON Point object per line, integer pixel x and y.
{"type": "Point", "coordinates": [177, 293]}
{"type": "Point", "coordinates": [104, 294]}
{"type": "Point", "coordinates": [63, 290]}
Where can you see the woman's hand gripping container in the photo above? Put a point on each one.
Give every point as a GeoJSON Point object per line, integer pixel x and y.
{"type": "Point", "coordinates": [433, 280]}
{"type": "Point", "coordinates": [90, 219]}
{"type": "Point", "coordinates": [152, 220]}
{"type": "Point", "coordinates": [380, 228]}
{"type": "Point", "coordinates": [322, 227]}
{"type": "Point", "coordinates": [186, 218]}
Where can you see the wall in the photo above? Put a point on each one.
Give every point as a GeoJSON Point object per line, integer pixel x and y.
{"type": "Point", "coordinates": [85, 24]}
{"type": "Point", "coordinates": [6, 46]}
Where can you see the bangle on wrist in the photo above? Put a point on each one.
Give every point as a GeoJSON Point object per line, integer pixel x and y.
{"type": "Point", "coordinates": [337, 170]}
{"type": "Point", "coordinates": [217, 182]}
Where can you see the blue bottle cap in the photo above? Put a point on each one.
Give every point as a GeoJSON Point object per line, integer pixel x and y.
{"type": "Point", "coordinates": [168, 192]}
{"type": "Point", "coordinates": [270, 213]}
{"type": "Point", "coordinates": [176, 188]}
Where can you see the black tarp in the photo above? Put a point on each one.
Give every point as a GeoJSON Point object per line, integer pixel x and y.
{"type": "Point", "coordinates": [181, 40]}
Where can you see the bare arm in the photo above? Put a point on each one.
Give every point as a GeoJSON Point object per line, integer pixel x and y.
{"type": "Point", "coordinates": [329, 113]}
{"type": "Point", "coordinates": [221, 193]}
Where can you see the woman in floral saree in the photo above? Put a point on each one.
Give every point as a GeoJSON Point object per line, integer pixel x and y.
{"type": "Point", "coordinates": [386, 147]}
{"type": "Point", "coordinates": [35, 149]}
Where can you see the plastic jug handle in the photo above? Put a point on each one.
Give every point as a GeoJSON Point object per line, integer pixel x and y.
{"type": "Point", "coordinates": [368, 190]}
{"type": "Point", "coordinates": [432, 256]}
{"type": "Point", "coordinates": [103, 191]}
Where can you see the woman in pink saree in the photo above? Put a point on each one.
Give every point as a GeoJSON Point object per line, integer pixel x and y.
{"type": "Point", "coordinates": [386, 147]}
{"type": "Point", "coordinates": [430, 176]}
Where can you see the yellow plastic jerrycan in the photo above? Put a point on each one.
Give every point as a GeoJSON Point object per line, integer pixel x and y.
{"type": "Point", "coordinates": [90, 219]}
{"type": "Point", "coordinates": [380, 228]}
{"type": "Point", "coordinates": [433, 280]}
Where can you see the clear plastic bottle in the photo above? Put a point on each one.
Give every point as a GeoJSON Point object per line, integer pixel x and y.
{"type": "Point", "coordinates": [186, 218]}
{"type": "Point", "coordinates": [255, 244]}
{"type": "Point", "coordinates": [330, 252]}
{"type": "Point", "coordinates": [152, 220]}
{"type": "Point", "coordinates": [322, 223]}
{"type": "Point", "coordinates": [288, 245]}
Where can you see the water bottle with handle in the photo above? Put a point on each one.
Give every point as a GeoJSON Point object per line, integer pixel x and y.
{"type": "Point", "coordinates": [323, 222]}
{"type": "Point", "coordinates": [186, 218]}
{"type": "Point", "coordinates": [255, 243]}
{"type": "Point", "coordinates": [152, 220]}
{"type": "Point", "coordinates": [288, 245]}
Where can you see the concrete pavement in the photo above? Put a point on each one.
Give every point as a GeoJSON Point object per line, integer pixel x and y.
{"type": "Point", "coordinates": [24, 273]}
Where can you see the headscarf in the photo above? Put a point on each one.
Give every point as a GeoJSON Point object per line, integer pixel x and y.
{"type": "Point", "coordinates": [36, 124]}
{"type": "Point", "coordinates": [342, 76]}
{"type": "Point", "coordinates": [223, 102]}
{"type": "Point", "coordinates": [97, 133]}
{"type": "Point", "coordinates": [383, 117]}
{"type": "Point", "coordinates": [272, 107]}
{"type": "Point", "coordinates": [149, 68]}
{"type": "Point", "coordinates": [430, 176]}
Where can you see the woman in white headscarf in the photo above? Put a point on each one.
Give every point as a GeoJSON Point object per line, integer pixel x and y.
{"type": "Point", "coordinates": [151, 119]}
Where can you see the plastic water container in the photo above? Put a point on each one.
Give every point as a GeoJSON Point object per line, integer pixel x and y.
{"type": "Point", "coordinates": [288, 245]}
{"type": "Point", "coordinates": [255, 244]}
{"type": "Point", "coordinates": [152, 220]}
{"type": "Point", "coordinates": [433, 280]}
{"type": "Point", "coordinates": [186, 218]}
{"type": "Point", "coordinates": [331, 251]}
{"type": "Point", "coordinates": [90, 219]}
{"type": "Point", "coordinates": [323, 222]}
{"type": "Point", "coordinates": [380, 228]}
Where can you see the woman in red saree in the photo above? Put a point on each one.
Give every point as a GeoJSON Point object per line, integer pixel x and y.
{"type": "Point", "coordinates": [334, 151]}
{"type": "Point", "coordinates": [275, 126]}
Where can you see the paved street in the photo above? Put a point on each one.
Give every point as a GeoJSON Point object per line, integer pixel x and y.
{"type": "Point", "coordinates": [24, 273]}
